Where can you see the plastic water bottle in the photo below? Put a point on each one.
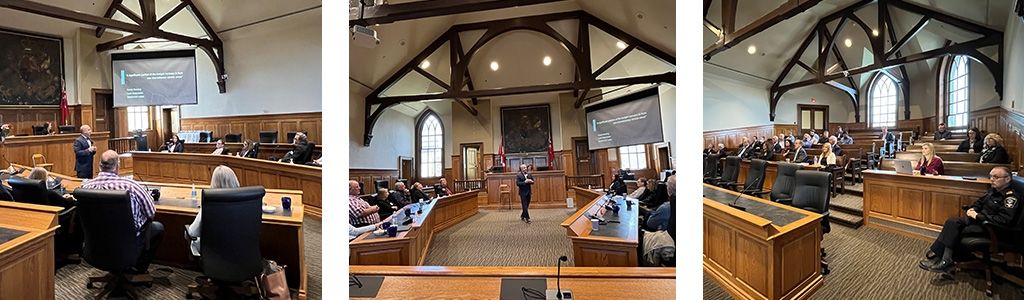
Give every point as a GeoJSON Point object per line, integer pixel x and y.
{"type": "Point", "coordinates": [193, 192]}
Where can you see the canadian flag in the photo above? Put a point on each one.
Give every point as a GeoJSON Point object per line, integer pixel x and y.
{"type": "Point", "coordinates": [501, 154]}
{"type": "Point", "coordinates": [551, 154]}
{"type": "Point", "coordinates": [64, 112]}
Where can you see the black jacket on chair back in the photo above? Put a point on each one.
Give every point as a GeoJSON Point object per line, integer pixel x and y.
{"type": "Point", "coordinates": [111, 243]}
{"type": "Point", "coordinates": [230, 246]}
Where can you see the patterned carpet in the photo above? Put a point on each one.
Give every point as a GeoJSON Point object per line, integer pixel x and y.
{"type": "Point", "coordinates": [867, 263]}
{"type": "Point", "coordinates": [499, 238]}
{"type": "Point", "coordinates": [71, 279]}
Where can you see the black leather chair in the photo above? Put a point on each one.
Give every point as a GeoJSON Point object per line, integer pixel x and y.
{"type": "Point", "coordinates": [230, 246]}
{"type": "Point", "coordinates": [38, 130]}
{"type": "Point", "coordinates": [995, 245]}
{"type": "Point", "coordinates": [111, 243]}
{"type": "Point", "coordinates": [141, 143]}
{"type": "Point", "coordinates": [68, 238]}
{"type": "Point", "coordinates": [754, 183]}
{"type": "Point", "coordinates": [269, 137]}
{"type": "Point", "coordinates": [206, 136]}
{"type": "Point", "coordinates": [255, 153]}
{"type": "Point", "coordinates": [67, 128]}
{"type": "Point", "coordinates": [785, 177]}
{"type": "Point", "coordinates": [730, 173]}
{"type": "Point", "coordinates": [308, 157]}
{"type": "Point", "coordinates": [378, 184]}
{"type": "Point", "coordinates": [233, 138]}
{"type": "Point", "coordinates": [711, 163]}
{"type": "Point", "coordinates": [811, 192]}
{"type": "Point", "coordinates": [291, 136]}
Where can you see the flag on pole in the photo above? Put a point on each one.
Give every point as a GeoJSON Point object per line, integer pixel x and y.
{"type": "Point", "coordinates": [501, 154]}
{"type": "Point", "coordinates": [551, 154]}
{"type": "Point", "coordinates": [64, 103]}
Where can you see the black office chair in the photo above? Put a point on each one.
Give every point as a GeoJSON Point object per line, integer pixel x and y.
{"type": "Point", "coordinates": [111, 243]}
{"type": "Point", "coordinates": [233, 138]}
{"type": "Point", "coordinates": [141, 143]}
{"type": "Point", "coordinates": [255, 151]}
{"type": "Point", "coordinates": [205, 136]}
{"type": "Point", "coordinates": [730, 173]}
{"type": "Point", "coordinates": [308, 156]}
{"type": "Point", "coordinates": [269, 137]}
{"type": "Point", "coordinates": [379, 184]}
{"type": "Point", "coordinates": [230, 246]}
{"type": "Point", "coordinates": [782, 188]}
{"type": "Point", "coordinates": [996, 242]}
{"type": "Point", "coordinates": [811, 192]}
{"type": "Point", "coordinates": [68, 239]}
{"type": "Point", "coordinates": [754, 183]}
{"type": "Point", "coordinates": [38, 130]}
{"type": "Point", "coordinates": [711, 163]}
{"type": "Point", "coordinates": [67, 129]}
{"type": "Point", "coordinates": [291, 136]}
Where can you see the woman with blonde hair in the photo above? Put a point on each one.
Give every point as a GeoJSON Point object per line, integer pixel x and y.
{"type": "Point", "coordinates": [826, 158]}
{"type": "Point", "coordinates": [994, 152]}
{"type": "Point", "coordinates": [223, 178]}
{"type": "Point", "coordinates": [929, 162]}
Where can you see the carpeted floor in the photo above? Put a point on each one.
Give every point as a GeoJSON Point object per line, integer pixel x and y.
{"type": "Point", "coordinates": [868, 263]}
{"type": "Point", "coordinates": [71, 279]}
{"type": "Point", "coordinates": [499, 238]}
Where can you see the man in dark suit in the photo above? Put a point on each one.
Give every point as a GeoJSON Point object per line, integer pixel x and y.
{"type": "Point", "coordinates": [417, 193]}
{"type": "Point", "coordinates": [84, 151]}
{"type": "Point", "coordinates": [400, 196]}
{"type": "Point", "coordinates": [301, 153]}
{"type": "Point", "coordinates": [525, 182]}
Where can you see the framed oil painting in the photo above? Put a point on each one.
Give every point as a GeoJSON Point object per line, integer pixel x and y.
{"type": "Point", "coordinates": [526, 129]}
{"type": "Point", "coordinates": [31, 68]}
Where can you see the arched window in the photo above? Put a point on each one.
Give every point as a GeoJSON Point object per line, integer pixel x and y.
{"type": "Point", "coordinates": [431, 145]}
{"type": "Point", "coordinates": [958, 93]}
{"type": "Point", "coordinates": [883, 102]}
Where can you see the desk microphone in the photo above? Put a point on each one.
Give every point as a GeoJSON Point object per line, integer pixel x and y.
{"type": "Point", "coordinates": [737, 206]}
{"type": "Point", "coordinates": [558, 293]}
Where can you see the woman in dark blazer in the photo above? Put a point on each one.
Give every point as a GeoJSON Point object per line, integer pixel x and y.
{"type": "Point", "coordinates": [929, 163]}
{"type": "Point", "coordinates": [973, 143]}
{"type": "Point", "coordinates": [175, 144]}
{"type": "Point", "coordinates": [994, 153]}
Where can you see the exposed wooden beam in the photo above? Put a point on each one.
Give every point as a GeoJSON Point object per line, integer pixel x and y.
{"type": "Point", "coordinates": [668, 77]}
{"type": "Point", "coordinates": [906, 38]}
{"type": "Point", "coordinates": [581, 97]}
{"type": "Point", "coordinates": [729, 16]}
{"type": "Point", "coordinates": [69, 15]}
{"type": "Point", "coordinates": [389, 13]}
{"type": "Point", "coordinates": [614, 60]}
{"type": "Point", "coordinates": [129, 13]}
{"type": "Point", "coordinates": [171, 14]}
{"type": "Point", "coordinates": [432, 78]}
{"type": "Point", "coordinates": [108, 14]}
{"type": "Point", "coordinates": [462, 102]}
{"type": "Point", "coordinates": [942, 17]}
{"type": "Point", "coordinates": [734, 37]}
{"type": "Point", "coordinates": [808, 68]}
{"type": "Point", "coordinates": [119, 42]}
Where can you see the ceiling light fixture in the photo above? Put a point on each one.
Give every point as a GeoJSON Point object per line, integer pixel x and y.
{"type": "Point", "coordinates": [848, 43]}
{"type": "Point", "coordinates": [874, 32]}
{"type": "Point", "coordinates": [752, 49]}
{"type": "Point", "coordinates": [620, 44]}
{"type": "Point", "coordinates": [425, 64]}
{"type": "Point", "coordinates": [494, 66]}
{"type": "Point", "coordinates": [547, 60]}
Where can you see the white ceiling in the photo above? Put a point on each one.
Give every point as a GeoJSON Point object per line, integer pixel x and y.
{"type": "Point", "coordinates": [778, 43]}
{"type": "Point", "coordinates": [519, 54]}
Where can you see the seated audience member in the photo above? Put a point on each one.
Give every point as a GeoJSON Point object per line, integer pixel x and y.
{"type": "Point", "coordinates": [57, 196]}
{"type": "Point", "coordinates": [998, 206]}
{"type": "Point", "coordinates": [942, 134]}
{"type": "Point", "coordinates": [814, 138]}
{"type": "Point", "coordinates": [743, 147]}
{"type": "Point", "coordinates": [824, 137]}
{"type": "Point", "coordinates": [354, 232]}
{"type": "Point", "coordinates": [929, 162]}
{"type": "Point", "coordinates": [149, 232]}
{"type": "Point", "coordinates": [220, 150]}
{"type": "Point", "coordinates": [248, 149]}
{"type": "Point", "coordinates": [994, 152]}
{"type": "Point", "coordinates": [618, 186]}
{"type": "Point", "coordinates": [659, 218]}
{"type": "Point", "coordinates": [720, 150]}
{"type": "Point", "coordinates": [641, 189]}
{"type": "Point", "coordinates": [175, 144]}
{"type": "Point", "coordinates": [445, 191]}
{"type": "Point", "coordinates": [48, 128]}
{"type": "Point", "coordinates": [826, 159]}
{"type": "Point", "coordinates": [839, 131]}
{"type": "Point", "coordinates": [798, 154]}
{"type": "Point", "coordinates": [845, 139]}
{"type": "Point", "coordinates": [889, 142]}
{"type": "Point", "coordinates": [360, 213]}
{"type": "Point", "coordinates": [787, 147]}
{"type": "Point", "coordinates": [300, 153]}
{"type": "Point", "coordinates": [835, 146]}
{"type": "Point", "coordinates": [973, 143]}
{"type": "Point", "coordinates": [417, 194]}
{"type": "Point", "coordinates": [709, 149]}
{"type": "Point", "coordinates": [380, 200]}
{"type": "Point", "coordinates": [807, 141]}
{"type": "Point", "coordinates": [400, 196]}
{"type": "Point", "coordinates": [222, 178]}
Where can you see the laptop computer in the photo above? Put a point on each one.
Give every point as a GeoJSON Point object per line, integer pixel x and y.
{"type": "Point", "coordinates": [904, 167]}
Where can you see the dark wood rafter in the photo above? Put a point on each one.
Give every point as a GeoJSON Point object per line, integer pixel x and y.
{"type": "Point", "coordinates": [729, 36]}
{"type": "Point", "coordinates": [883, 58]}
{"type": "Point", "coordinates": [389, 13]}
{"type": "Point", "coordinates": [585, 80]}
{"type": "Point", "coordinates": [146, 25]}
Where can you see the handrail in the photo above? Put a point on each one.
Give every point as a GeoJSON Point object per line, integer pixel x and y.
{"type": "Point", "coordinates": [584, 181]}
{"type": "Point", "coordinates": [122, 144]}
{"type": "Point", "coordinates": [469, 185]}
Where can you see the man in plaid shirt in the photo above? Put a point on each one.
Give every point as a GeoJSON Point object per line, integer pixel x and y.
{"type": "Point", "coordinates": [360, 213]}
{"type": "Point", "coordinates": [149, 232]}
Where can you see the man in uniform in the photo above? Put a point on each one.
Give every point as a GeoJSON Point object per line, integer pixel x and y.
{"type": "Point", "coordinates": [998, 206]}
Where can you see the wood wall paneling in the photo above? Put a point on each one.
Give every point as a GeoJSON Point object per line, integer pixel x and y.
{"type": "Point", "coordinates": [732, 137]}
{"type": "Point", "coordinates": [251, 125]}
{"type": "Point", "coordinates": [57, 149]}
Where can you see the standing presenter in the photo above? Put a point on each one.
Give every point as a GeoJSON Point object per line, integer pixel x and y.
{"type": "Point", "coordinates": [525, 182]}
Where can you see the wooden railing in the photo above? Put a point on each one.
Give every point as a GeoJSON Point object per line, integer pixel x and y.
{"type": "Point", "coordinates": [122, 144]}
{"type": "Point", "coordinates": [584, 181]}
{"type": "Point", "coordinates": [469, 185]}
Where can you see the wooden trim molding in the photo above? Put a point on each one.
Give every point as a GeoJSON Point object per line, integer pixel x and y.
{"type": "Point", "coordinates": [732, 137]}
{"type": "Point", "coordinates": [251, 125]}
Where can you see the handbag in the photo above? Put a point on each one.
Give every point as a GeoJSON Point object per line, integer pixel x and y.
{"type": "Point", "coordinates": [273, 284]}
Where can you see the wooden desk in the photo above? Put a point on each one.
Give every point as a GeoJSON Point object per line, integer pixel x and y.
{"type": "Point", "coordinates": [917, 205]}
{"type": "Point", "coordinates": [614, 245]}
{"type": "Point", "coordinates": [548, 189]}
{"type": "Point", "coordinates": [281, 238]}
{"type": "Point", "coordinates": [485, 282]}
{"type": "Point", "coordinates": [410, 247]}
{"type": "Point", "coordinates": [771, 251]}
{"type": "Point", "coordinates": [26, 250]}
{"type": "Point", "coordinates": [191, 167]}
{"type": "Point", "coordinates": [56, 148]}
{"type": "Point", "coordinates": [770, 172]}
{"type": "Point", "coordinates": [266, 150]}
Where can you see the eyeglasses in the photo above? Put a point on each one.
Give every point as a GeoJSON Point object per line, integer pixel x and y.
{"type": "Point", "coordinates": [997, 177]}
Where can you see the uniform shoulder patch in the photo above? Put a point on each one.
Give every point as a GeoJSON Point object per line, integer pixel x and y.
{"type": "Point", "coordinates": [1010, 202]}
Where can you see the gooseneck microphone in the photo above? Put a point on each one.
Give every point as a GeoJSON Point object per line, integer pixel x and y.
{"type": "Point", "coordinates": [558, 276]}
{"type": "Point", "coordinates": [745, 190]}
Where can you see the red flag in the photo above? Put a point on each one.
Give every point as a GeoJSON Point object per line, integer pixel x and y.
{"type": "Point", "coordinates": [551, 154]}
{"type": "Point", "coordinates": [64, 103]}
{"type": "Point", "coordinates": [501, 154]}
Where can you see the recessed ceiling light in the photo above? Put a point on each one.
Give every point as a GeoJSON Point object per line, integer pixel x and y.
{"type": "Point", "coordinates": [848, 43]}
{"type": "Point", "coordinates": [494, 66]}
{"type": "Point", "coordinates": [620, 44]}
{"type": "Point", "coordinates": [547, 60]}
{"type": "Point", "coordinates": [874, 32]}
{"type": "Point", "coordinates": [752, 49]}
{"type": "Point", "coordinates": [425, 64]}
